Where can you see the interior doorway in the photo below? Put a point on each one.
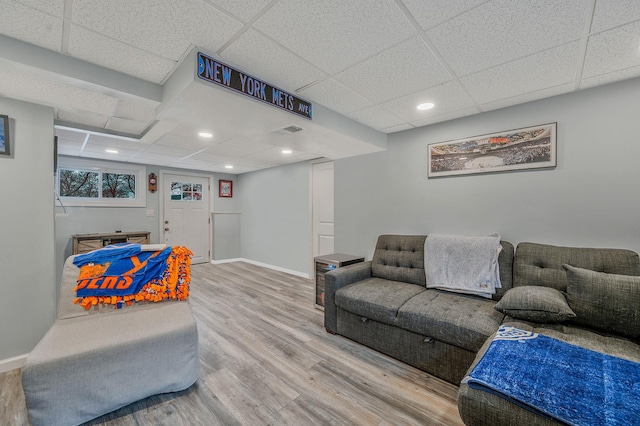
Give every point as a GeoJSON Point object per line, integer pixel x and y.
{"type": "Point", "coordinates": [322, 208]}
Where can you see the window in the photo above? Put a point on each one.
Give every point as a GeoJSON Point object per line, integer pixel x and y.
{"type": "Point", "coordinates": [90, 183]}
{"type": "Point", "coordinates": [183, 191]}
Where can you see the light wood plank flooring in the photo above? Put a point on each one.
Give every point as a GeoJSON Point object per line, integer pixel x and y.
{"type": "Point", "coordinates": [266, 359]}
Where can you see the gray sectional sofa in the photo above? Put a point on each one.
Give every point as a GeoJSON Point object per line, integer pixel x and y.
{"type": "Point", "coordinates": [384, 304]}
{"type": "Point", "coordinates": [92, 362]}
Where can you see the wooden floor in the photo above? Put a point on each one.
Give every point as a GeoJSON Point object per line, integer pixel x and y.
{"type": "Point", "coordinates": [266, 359]}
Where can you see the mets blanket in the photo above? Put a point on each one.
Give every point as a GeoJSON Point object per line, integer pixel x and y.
{"type": "Point", "coordinates": [558, 380]}
{"type": "Point", "coordinates": [125, 273]}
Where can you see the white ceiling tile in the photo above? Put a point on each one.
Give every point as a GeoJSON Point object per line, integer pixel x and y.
{"type": "Point", "coordinates": [94, 149]}
{"type": "Point", "coordinates": [104, 156]}
{"type": "Point", "coordinates": [550, 68]}
{"type": "Point", "coordinates": [169, 150]}
{"type": "Point", "coordinates": [610, 77]}
{"type": "Point", "coordinates": [335, 96]}
{"type": "Point", "coordinates": [211, 157]}
{"type": "Point", "coordinates": [188, 131]}
{"type": "Point", "coordinates": [166, 27]}
{"type": "Point", "coordinates": [126, 126]}
{"type": "Point", "coordinates": [98, 49]}
{"type": "Point", "coordinates": [611, 13]}
{"type": "Point", "coordinates": [192, 143]}
{"type": "Point", "coordinates": [70, 135]}
{"type": "Point", "coordinates": [138, 111]}
{"type": "Point", "coordinates": [114, 142]}
{"type": "Point", "coordinates": [271, 62]}
{"type": "Point", "coordinates": [445, 117]}
{"type": "Point", "coordinates": [529, 97]}
{"type": "Point", "coordinates": [376, 117]}
{"type": "Point", "coordinates": [447, 97]}
{"type": "Point", "coordinates": [399, 128]}
{"type": "Point", "coordinates": [245, 163]}
{"type": "Point", "coordinates": [334, 34]}
{"type": "Point", "coordinates": [52, 7]}
{"type": "Point", "coordinates": [86, 118]}
{"type": "Point", "coordinates": [613, 50]}
{"type": "Point", "coordinates": [248, 145]}
{"type": "Point", "coordinates": [145, 156]}
{"type": "Point", "coordinates": [244, 10]}
{"type": "Point", "coordinates": [33, 26]}
{"type": "Point", "coordinates": [190, 162]}
{"type": "Point", "coordinates": [68, 96]}
{"type": "Point", "coordinates": [398, 71]}
{"type": "Point", "coordinates": [160, 128]}
{"type": "Point", "coordinates": [503, 30]}
{"type": "Point", "coordinates": [433, 12]}
{"type": "Point", "coordinates": [66, 146]}
{"type": "Point", "coordinates": [227, 150]}
{"type": "Point", "coordinates": [68, 150]}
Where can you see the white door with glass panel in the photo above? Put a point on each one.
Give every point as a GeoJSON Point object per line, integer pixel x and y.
{"type": "Point", "coordinates": [186, 214]}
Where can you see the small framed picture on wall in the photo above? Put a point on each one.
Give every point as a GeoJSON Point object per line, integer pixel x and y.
{"type": "Point", "coordinates": [226, 188]}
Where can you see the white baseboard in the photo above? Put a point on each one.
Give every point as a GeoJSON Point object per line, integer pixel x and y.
{"type": "Point", "coordinates": [12, 363]}
{"type": "Point", "coordinates": [264, 265]}
{"type": "Point", "coordinates": [236, 259]}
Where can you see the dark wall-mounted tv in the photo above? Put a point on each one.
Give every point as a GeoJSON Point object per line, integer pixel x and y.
{"type": "Point", "coordinates": [5, 141]}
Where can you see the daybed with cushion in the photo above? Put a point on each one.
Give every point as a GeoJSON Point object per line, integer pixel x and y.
{"type": "Point", "coordinates": [583, 296]}
{"type": "Point", "coordinates": [92, 362]}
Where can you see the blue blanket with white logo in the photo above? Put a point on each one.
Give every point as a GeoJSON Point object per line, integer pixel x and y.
{"type": "Point", "coordinates": [558, 380]}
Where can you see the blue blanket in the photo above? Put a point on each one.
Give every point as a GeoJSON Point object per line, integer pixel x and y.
{"type": "Point", "coordinates": [119, 270]}
{"type": "Point", "coordinates": [558, 380]}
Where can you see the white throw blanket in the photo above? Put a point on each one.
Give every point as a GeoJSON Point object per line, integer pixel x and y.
{"type": "Point", "coordinates": [463, 264]}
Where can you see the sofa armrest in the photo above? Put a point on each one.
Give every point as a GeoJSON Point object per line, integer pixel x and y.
{"type": "Point", "coordinates": [334, 281]}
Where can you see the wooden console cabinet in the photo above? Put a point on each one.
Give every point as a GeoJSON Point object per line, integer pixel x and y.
{"type": "Point", "coordinates": [83, 243]}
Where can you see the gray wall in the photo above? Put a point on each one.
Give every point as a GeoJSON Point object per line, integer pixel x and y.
{"type": "Point", "coordinates": [592, 198]}
{"type": "Point", "coordinates": [275, 223]}
{"type": "Point", "coordinates": [226, 218]}
{"type": "Point", "coordinates": [27, 270]}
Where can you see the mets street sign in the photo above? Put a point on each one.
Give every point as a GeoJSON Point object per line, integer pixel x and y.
{"type": "Point", "coordinates": [221, 74]}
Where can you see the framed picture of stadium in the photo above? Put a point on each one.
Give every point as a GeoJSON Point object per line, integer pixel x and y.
{"type": "Point", "coordinates": [526, 148]}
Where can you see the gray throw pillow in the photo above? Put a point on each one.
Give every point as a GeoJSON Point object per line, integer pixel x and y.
{"type": "Point", "coordinates": [606, 302]}
{"type": "Point", "coordinates": [535, 303]}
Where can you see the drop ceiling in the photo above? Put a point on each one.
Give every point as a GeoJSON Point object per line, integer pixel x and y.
{"type": "Point", "coordinates": [119, 74]}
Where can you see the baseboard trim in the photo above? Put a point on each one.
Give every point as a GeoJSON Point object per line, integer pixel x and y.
{"type": "Point", "coordinates": [12, 363]}
{"type": "Point", "coordinates": [221, 261]}
{"type": "Point", "coordinates": [264, 265]}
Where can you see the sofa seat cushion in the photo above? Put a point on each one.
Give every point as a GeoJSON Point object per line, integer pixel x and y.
{"type": "Point", "coordinates": [463, 321]}
{"type": "Point", "coordinates": [376, 298]}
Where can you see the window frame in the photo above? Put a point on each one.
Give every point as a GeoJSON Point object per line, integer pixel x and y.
{"type": "Point", "coordinates": [139, 171]}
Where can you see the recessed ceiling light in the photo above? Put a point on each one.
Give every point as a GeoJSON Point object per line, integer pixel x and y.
{"type": "Point", "coordinates": [111, 151]}
{"type": "Point", "coordinates": [425, 106]}
{"type": "Point", "coordinates": [286, 151]}
{"type": "Point", "coordinates": [228, 166]}
{"type": "Point", "coordinates": [205, 135]}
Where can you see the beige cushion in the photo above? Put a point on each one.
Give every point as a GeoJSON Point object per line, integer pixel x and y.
{"type": "Point", "coordinates": [536, 304]}
{"type": "Point", "coordinates": [607, 302]}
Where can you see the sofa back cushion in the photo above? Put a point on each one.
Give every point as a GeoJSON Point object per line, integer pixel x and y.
{"type": "Point", "coordinates": [401, 258]}
{"type": "Point", "coordinates": [607, 302]}
{"type": "Point", "coordinates": [541, 264]}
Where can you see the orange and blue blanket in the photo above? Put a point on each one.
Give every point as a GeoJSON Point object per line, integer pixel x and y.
{"type": "Point", "coordinates": [124, 273]}
{"type": "Point", "coordinates": [554, 379]}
